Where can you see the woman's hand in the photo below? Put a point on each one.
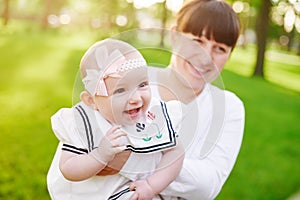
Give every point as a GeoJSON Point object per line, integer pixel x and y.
{"type": "Point", "coordinates": [114, 166]}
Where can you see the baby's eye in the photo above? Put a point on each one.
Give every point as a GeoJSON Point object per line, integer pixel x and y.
{"type": "Point", "coordinates": [144, 84]}
{"type": "Point", "coordinates": [119, 90]}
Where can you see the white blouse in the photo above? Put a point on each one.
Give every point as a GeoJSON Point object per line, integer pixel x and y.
{"type": "Point", "coordinates": [212, 132]}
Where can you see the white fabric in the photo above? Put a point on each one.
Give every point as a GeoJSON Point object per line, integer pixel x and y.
{"type": "Point", "coordinates": [69, 129]}
{"type": "Point", "coordinates": [217, 118]}
{"type": "Point", "coordinates": [153, 132]}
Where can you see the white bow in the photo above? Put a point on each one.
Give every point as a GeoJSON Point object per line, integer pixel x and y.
{"type": "Point", "coordinates": [108, 65]}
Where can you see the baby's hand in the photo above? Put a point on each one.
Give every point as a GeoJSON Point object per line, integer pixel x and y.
{"type": "Point", "coordinates": [143, 190]}
{"type": "Point", "coordinates": [109, 145]}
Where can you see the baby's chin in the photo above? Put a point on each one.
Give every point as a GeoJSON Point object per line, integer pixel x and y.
{"type": "Point", "coordinates": [127, 122]}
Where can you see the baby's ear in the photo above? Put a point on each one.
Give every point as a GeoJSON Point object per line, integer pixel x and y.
{"type": "Point", "coordinates": [87, 99]}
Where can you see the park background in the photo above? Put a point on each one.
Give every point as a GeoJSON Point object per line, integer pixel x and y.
{"type": "Point", "coordinates": [42, 41]}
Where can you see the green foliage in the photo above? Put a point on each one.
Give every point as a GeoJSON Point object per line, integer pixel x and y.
{"type": "Point", "coordinates": [37, 74]}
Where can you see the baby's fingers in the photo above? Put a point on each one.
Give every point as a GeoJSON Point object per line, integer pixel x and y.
{"type": "Point", "coordinates": [132, 187]}
{"type": "Point", "coordinates": [119, 149]}
{"type": "Point", "coordinates": [113, 129]}
{"type": "Point", "coordinates": [115, 132]}
{"type": "Point", "coordinates": [118, 134]}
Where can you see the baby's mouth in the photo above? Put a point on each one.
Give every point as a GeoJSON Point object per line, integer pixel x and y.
{"type": "Point", "coordinates": [133, 113]}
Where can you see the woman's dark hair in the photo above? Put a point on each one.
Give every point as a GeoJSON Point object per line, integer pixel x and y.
{"type": "Point", "coordinates": [215, 17]}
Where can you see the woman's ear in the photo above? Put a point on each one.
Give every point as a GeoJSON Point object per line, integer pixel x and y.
{"type": "Point", "coordinates": [173, 33]}
{"type": "Point", "coordinates": [87, 99]}
{"type": "Point", "coordinates": [177, 39]}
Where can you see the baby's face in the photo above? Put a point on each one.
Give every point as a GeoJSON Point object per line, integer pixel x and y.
{"type": "Point", "coordinates": [128, 97]}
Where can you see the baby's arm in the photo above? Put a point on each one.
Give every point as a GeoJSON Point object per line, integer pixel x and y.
{"type": "Point", "coordinates": [76, 167]}
{"type": "Point", "coordinates": [166, 172]}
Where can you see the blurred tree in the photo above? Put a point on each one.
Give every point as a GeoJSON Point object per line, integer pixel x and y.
{"type": "Point", "coordinates": [283, 17]}
{"type": "Point", "coordinates": [113, 15]}
{"type": "Point", "coordinates": [164, 17]}
{"type": "Point", "coordinates": [51, 7]}
{"type": "Point", "coordinates": [5, 12]}
{"type": "Point", "coordinates": [262, 25]}
{"type": "Point", "coordinates": [242, 8]}
{"type": "Point", "coordinates": [286, 15]}
{"type": "Point", "coordinates": [46, 13]}
{"type": "Point", "coordinates": [161, 12]}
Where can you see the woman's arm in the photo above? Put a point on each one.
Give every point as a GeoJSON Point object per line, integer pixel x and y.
{"type": "Point", "coordinates": [115, 165]}
{"type": "Point", "coordinates": [76, 167]}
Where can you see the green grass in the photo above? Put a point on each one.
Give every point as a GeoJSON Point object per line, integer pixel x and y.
{"type": "Point", "coordinates": [37, 74]}
{"type": "Point", "coordinates": [267, 164]}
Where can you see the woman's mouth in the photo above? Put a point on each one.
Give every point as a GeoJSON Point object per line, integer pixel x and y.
{"type": "Point", "coordinates": [199, 71]}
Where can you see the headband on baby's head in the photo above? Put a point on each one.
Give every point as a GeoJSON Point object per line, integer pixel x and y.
{"type": "Point", "coordinates": [108, 65]}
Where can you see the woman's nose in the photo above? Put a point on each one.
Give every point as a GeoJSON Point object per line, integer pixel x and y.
{"type": "Point", "coordinates": [208, 49]}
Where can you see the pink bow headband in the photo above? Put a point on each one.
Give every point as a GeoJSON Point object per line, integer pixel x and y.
{"type": "Point", "coordinates": [94, 79]}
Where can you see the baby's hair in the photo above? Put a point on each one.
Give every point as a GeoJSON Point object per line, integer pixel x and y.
{"type": "Point", "coordinates": [88, 60]}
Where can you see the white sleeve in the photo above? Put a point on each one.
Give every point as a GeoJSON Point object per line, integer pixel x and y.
{"type": "Point", "coordinates": [61, 125]}
{"type": "Point", "coordinates": [65, 128]}
{"type": "Point", "coordinates": [203, 178]}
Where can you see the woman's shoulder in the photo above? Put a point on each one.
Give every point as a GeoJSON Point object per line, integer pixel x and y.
{"type": "Point", "coordinates": [228, 96]}
{"type": "Point", "coordinates": [229, 102]}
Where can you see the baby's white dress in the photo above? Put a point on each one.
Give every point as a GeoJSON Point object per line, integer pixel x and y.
{"type": "Point", "coordinates": [80, 129]}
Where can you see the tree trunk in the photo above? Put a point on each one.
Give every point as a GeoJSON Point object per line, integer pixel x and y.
{"type": "Point", "coordinates": [164, 21]}
{"type": "Point", "coordinates": [291, 40]}
{"type": "Point", "coordinates": [6, 12]}
{"type": "Point", "coordinates": [262, 25]}
{"type": "Point", "coordinates": [298, 53]}
{"type": "Point", "coordinates": [47, 9]}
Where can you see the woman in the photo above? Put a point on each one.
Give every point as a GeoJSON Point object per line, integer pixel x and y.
{"type": "Point", "coordinates": [211, 154]}
{"type": "Point", "coordinates": [214, 124]}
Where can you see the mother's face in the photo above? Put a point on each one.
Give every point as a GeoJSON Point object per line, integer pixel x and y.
{"type": "Point", "coordinates": [218, 52]}
{"type": "Point", "coordinates": [200, 60]}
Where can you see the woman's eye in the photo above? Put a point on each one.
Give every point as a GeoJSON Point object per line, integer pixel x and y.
{"type": "Point", "coordinates": [198, 40]}
{"type": "Point", "coordinates": [118, 91]}
{"type": "Point", "coordinates": [221, 49]}
{"type": "Point", "coordinates": [143, 84]}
